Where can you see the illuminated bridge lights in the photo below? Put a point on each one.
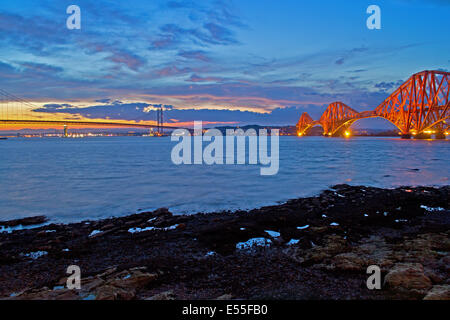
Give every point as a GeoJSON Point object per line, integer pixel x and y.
{"type": "Point", "coordinates": [420, 105]}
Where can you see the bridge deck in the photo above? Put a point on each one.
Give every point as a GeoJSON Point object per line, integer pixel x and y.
{"type": "Point", "coordinates": [87, 123]}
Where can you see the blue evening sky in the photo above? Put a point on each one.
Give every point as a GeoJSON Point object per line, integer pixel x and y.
{"type": "Point", "coordinates": [227, 61]}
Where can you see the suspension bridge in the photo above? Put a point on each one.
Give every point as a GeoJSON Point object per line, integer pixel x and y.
{"type": "Point", "coordinates": [17, 111]}
{"type": "Point", "coordinates": [419, 107]}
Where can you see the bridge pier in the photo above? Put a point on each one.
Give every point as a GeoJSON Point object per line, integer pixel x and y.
{"type": "Point", "coordinates": [406, 136]}
{"type": "Point", "coordinates": [422, 135]}
{"type": "Point", "coordinates": [343, 132]}
{"type": "Point", "coordinates": [439, 135]}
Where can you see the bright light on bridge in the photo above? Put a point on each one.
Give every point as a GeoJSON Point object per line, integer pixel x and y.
{"type": "Point", "coordinates": [420, 105]}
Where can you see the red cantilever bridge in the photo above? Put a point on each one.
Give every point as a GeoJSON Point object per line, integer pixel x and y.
{"type": "Point", "coordinates": [419, 106]}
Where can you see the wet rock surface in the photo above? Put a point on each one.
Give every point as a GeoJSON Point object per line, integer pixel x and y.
{"type": "Point", "coordinates": [24, 222]}
{"type": "Point", "coordinates": [308, 248]}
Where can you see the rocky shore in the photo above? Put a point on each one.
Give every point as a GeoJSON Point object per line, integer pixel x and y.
{"type": "Point", "coordinates": [307, 248]}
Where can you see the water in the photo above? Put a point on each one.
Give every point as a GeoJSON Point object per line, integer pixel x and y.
{"type": "Point", "coordinates": [77, 179]}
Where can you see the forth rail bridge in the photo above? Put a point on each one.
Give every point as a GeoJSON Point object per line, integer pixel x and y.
{"type": "Point", "coordinates": [419, 108]}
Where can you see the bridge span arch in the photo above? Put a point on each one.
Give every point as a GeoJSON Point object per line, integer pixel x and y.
{"type": "Point", "coordinates": [420, 105]}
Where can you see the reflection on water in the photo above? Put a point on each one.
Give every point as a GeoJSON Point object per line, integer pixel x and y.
{"type": "Point", "coordinates": [76, 179]}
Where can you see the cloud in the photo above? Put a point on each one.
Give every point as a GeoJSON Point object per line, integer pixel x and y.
{"type": "Point", "coordinates": [103, 100]}
{"type": "Point", "coordinates": [172, 35]}
{"type": "Point", "coordinates": [197, 78]}
{"type": "Point", "coordinates": [195, 55]}
{"type": "Point", "coordinates": [44, 36]}
{"type": "Point", "coordinates": [120, 57]}
{"type": "Point", "coordinates": [350, 54]}
{"type": "Point", "coordinates": [55, 106]}
{"type": "Point", "coordinates": [388, 85]}
{"type": "Point", "coordinates": [147, 112]}
{"type": "Point", "coordinates": [172, 71]}
{"type": "Point", "coordinates": [6, 68]}
{"type": "Point", "coordinates": [359, 70]}
{"type": "Point", "coordinates": [227, 102]}
{"type": "Point", "coordinates": [132, 61]}
{"type": "Point", "coordinates": [33, 34]}
{"type": "Point", "coordinates": [340, 61]}
{"type": "Point", "coordinates": [220, 34]}
{"type": "Point", "coordinates": [40, 67]}
{"type": "Point", "coordinates": [126, 111]}
{"type": "Point", "coordinates": [210, 24]}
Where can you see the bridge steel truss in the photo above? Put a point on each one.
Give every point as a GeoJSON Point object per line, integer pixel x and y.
{"type": "Point", "coordinates": [418, 106]}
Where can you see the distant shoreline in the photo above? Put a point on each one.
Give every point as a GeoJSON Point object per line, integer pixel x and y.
{"type": "Point", "coordinates": [284, 131]}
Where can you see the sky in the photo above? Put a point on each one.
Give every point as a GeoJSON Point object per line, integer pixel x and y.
{"type": "Point", "coordinates": [223, 62]}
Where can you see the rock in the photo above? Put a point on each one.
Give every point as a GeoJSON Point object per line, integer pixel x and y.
{"type": "Point", "coordinates": [375, 251]}
{"type": "Point", "coordinates": [278, 241]}
{"type": "Point", "coordinates": [425, 247]}
{"type": "Point", "coordinates": [107, 226]}
{"type": "Point", "coordinates": [225, 297]}
{"type": "Point", "coordinates": [132, 280]}
{"type": "Point", "coordinates": [110, 285]}
{"type": "Point", "coordinates": [166, 295]}
{"type": "Point", "coordinates": [66, 294]}
{"type": "Point", "coordinates": [25, 221]}
{"type": "Point", "coordinates": [444, 263]}
{"type": "Point", "coordinates": [314, 256]}
{"type": "Point", "coordinates": [108, 272]}
{"type": "Point", "coordinates": [42, 233]}
{"type": "Point", "coordinates": [438, 293]}
{"type": "Point", "coordinates": [333, 245]}
{"type": "Point", "coordinates": [162, 212]}
{"type": "Point", "coordinates": [404, 277]}
{"type": "Point", "coordinates": [108, 292]}
{"type": "Point", "coordinates": [90, 284]}
{"type": "Point", "coordinates": [181, 226]}
{"type": "Point", "coordinates": [133, 223]}
{"type": "Point", "coordinates": [47, 294]}
{"type": "Point", "coordinates": [348, 262]}
{"type": "Point", "coordinates": [318, 230]}
{"type": "Point", "coordinates": [434, 276]}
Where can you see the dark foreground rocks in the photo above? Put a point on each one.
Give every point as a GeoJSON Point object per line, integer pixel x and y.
{"type": "Point", "coordinates": [309, 248]}
{"type": "Point", "coordinates": [29, 221]}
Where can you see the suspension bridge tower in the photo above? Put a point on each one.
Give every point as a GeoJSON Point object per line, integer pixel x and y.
{"type": "Point", "coordinates": [160, 119]}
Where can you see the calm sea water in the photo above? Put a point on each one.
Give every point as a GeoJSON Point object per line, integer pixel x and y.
{"type": "Point", "coordinates": [76, 179]}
